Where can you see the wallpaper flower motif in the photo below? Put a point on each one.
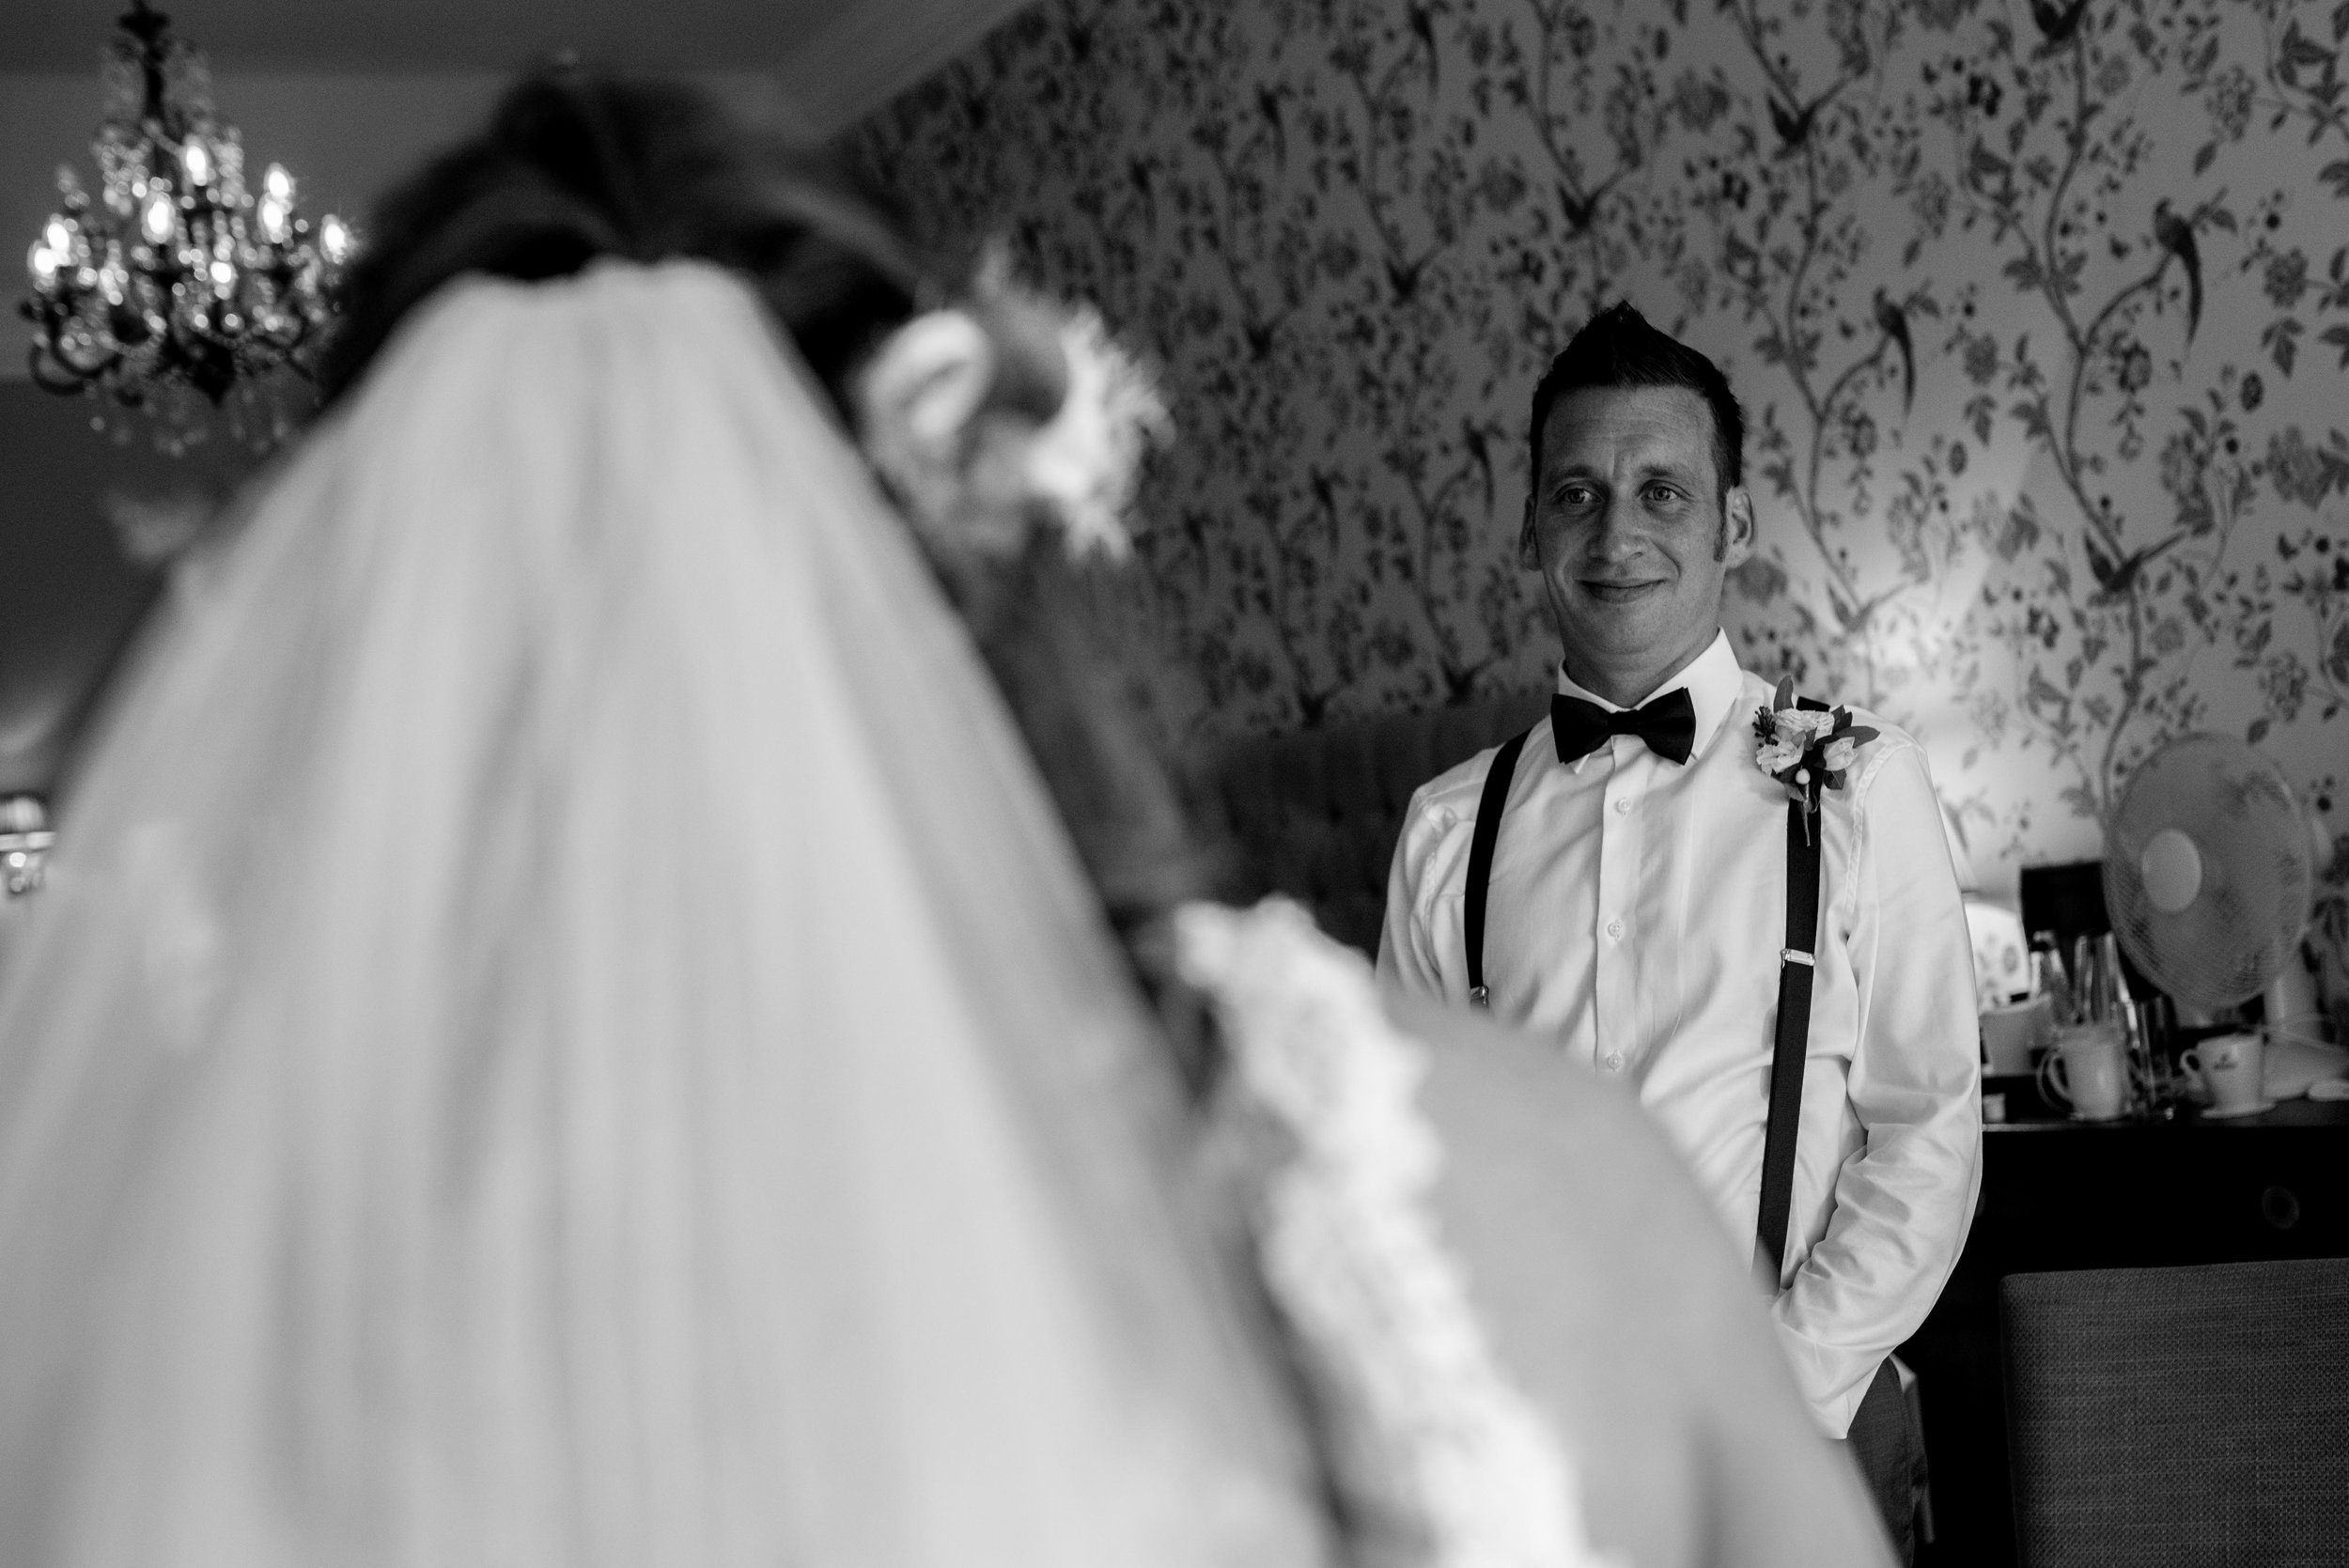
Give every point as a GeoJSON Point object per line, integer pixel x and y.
{"type": "Point", "coordinates": [2040, 312]}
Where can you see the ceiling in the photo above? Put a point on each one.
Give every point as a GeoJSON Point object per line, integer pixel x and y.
{"type": "Point", "coordinates": [821, 63]}
{"type": "Point", "coordinates": [403, 35]}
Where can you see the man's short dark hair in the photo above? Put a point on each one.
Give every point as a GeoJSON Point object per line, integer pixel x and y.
{"type": "Point", "coordinates": [1618, 348]}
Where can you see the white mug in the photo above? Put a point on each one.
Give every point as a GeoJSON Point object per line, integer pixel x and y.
{"type": "Point", "coordinates": [2088, 1070]}
{"type": "Point", "coordinates": [2229, 1066]}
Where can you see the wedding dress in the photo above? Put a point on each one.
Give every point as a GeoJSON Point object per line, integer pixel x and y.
{"type": "Point", "coordinates": [563, 1029]}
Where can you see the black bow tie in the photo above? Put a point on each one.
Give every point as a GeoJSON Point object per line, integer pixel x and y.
{"type": "Point", "coordinates": [1667, 724]}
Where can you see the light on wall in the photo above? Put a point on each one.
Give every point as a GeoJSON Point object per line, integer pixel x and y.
{"type": "Point", "coordinates": [178, 290]}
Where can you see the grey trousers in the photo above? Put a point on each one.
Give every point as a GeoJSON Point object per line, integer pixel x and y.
{"type": "Point", "coordinates": [1890, 1458]}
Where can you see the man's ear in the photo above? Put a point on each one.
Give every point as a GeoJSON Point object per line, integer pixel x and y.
{"type": "Point", "coordinates": [1737, 526]}
{"type": "Point", "coordinates": [1528, 548]}
{"type": "Point", "coordinates": [927, 381]}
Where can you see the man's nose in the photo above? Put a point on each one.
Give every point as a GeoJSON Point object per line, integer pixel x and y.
{"type": "Point", "coordinates": [1616, 536]}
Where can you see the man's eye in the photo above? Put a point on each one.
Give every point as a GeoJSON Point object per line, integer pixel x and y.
{"type": "Point", "coordinates": [1574, 495]}
{"type": "Point", "coordinates": [1662, 495]}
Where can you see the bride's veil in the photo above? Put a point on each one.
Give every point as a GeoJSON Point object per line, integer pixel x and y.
{"type": "Point", "coordinates": [563, 1029]}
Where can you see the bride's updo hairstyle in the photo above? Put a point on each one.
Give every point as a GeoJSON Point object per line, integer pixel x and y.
{"type": "Point", "coordinates": [573, 167]}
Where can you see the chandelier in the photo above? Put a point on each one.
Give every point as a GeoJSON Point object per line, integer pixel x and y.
{"type": "Point", "coordinates": [178, 290]}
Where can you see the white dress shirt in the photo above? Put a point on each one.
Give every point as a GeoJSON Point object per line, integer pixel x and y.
{"type": "Point", "coordinates": [1635, 914]}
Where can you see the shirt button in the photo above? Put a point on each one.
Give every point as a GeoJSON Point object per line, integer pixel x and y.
{"type": "Point", "coordinates": [1622, 806]}
{"type": "Point", "coordinates": [1614, 929]}
{"type": "Point", "coordinates": [1614, 1061]}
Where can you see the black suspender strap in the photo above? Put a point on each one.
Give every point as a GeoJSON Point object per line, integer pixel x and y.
{"type": "Point", "coordinates": [1480, 866]}
{"type": "Point", "coordinates": [1795, 970]}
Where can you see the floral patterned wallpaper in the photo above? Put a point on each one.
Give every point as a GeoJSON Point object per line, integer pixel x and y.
{"type": "Point", "coordinates": [2040, 312]}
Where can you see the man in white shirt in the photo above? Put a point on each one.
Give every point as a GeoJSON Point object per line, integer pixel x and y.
{"type": "Point", "coordinates": [1635, 904]}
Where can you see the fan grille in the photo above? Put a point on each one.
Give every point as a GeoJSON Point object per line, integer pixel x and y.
{"type": "Point", "coordinates": [2239, 932]}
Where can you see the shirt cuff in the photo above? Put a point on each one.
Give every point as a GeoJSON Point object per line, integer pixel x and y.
{"type": "Point", "coordinates": [1832, 1381]}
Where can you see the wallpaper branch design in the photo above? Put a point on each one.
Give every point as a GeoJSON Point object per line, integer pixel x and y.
{"type": "Point", "coordinates": [1787, 285]}
{"type": "Point", "coordinates": [2040, 310]}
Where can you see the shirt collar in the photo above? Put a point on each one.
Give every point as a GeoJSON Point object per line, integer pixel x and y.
{"type": "Point", "coordinates": [1713, 679]}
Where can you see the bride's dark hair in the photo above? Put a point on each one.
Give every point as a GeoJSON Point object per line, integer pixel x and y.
{"type": "Point", "coordinates": [574, 166]}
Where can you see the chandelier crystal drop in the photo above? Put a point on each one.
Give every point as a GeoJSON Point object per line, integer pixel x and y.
{"type": "Point", "coordinates": [178, 290]}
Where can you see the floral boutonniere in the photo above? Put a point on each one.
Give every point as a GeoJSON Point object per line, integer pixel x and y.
{"type": "Point", "coordinates": [1806, 749]}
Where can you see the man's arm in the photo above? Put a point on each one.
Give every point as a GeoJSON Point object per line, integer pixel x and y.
{"type": "Point", "coordinates": [1408, 964]}
{"type": "Point", "coordinates": [1904, 1203]}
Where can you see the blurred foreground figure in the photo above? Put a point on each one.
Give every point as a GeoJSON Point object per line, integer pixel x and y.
{"type": "Point", "coordinates": [565, 1028]}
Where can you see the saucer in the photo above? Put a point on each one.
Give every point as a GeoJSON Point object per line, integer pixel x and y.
{"type": "Point", "coordinates": [2245, 1110]}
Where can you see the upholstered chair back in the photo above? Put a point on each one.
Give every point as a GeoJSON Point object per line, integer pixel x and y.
{"type": "Point", "coordinates": [2179, 1415]}
{"type": "Point", "coordinates": [1316, 815]}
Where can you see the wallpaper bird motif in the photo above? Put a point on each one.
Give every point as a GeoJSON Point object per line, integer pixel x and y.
{"type": "Point", "coordinates": [2040, 313]}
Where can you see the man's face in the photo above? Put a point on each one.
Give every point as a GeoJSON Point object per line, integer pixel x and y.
{"type": "Point", "coordinates": [1630, 533]}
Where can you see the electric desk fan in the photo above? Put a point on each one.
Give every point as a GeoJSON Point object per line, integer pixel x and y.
{"type": "Point", "coordinates": [2209, 868]}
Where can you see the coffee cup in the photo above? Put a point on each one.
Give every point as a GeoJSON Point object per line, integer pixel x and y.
{"type": "Point", "coordinates": [2013, 1036]}
{"type": "Point", "coordinates": [2088, 1070]}
{"type": "Point", "coordinates": [2231, 1066]}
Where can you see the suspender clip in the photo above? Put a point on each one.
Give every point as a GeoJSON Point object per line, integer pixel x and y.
{"type": "Point", "coordinates": [1793, 955]}
{"type": "Point", "coordinates": [1480, 996]}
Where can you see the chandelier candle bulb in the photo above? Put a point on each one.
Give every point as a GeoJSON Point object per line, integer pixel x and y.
{"type": "Point", "coordinates": [157, 222]}
{"type": "Point", "coordinates": [198, 163]}
{"type": "Point", "coordinates": [275, 212]}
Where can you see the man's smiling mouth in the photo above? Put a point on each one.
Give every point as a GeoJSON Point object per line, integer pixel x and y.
{"type": "Point", "coordinates": [1619, 593]}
